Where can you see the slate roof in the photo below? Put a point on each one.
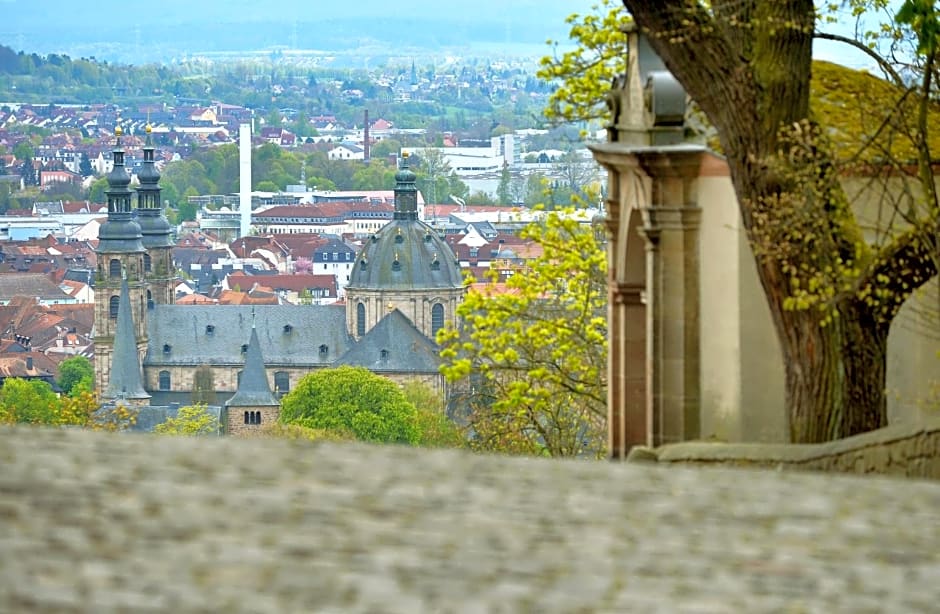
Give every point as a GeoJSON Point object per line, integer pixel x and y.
{"type": "Point", "coordinates": [253, 388]}
{"type": "Point", "coordinates": [126, 381]}
{"type": "Point", "coordinates": [289, 335]}
{"type": "Point", "coordinates": [415, 246]}
{"type": "Point", "coordinates": [30, 285]}
{"type": "Point", "coordinates": [394, 345]}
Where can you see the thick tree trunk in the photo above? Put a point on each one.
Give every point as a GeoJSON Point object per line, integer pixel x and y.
{"type": "Point", "coordinates": [753, 81]}
{"type": "Point", "coordinates": [835, 374]}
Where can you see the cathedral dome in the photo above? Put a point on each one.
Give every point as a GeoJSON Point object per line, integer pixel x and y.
{"type": "Point", "coordinates": [406, 254]}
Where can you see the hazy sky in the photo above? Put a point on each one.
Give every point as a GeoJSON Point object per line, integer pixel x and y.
{"type": "Point", "coordinates": [102, 27]}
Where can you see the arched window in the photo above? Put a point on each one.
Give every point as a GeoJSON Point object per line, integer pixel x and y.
{"type": "Point", "coordinates": [114, 268]}
{"type": "Point", "coordinates": [149, 300]}
{"type": "Point", "coordinates": [147, 262]}
{"type": "Point", "coordinates": [281, 382]}
{"type": "Point", "coordinates": [257, 417]}
{"type": "Point", "coordinates": [113, 306]}
{"type": "Point", "coordinates": [164, 380]}
{"type": "Point", "coordinates": [360, 320]}
{"type": "Point", "coordinates": [247, 418]}
{"type": "Point", "coordinates": [437, 319]}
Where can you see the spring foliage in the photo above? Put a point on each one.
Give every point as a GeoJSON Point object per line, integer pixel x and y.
{"type": "Point", "coordinates": [532, 359]}
{"type": "Point", "coordinates": [352, 400]}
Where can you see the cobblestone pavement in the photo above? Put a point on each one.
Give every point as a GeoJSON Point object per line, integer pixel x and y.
{"type": "Point", "coordinates": [93, 522]}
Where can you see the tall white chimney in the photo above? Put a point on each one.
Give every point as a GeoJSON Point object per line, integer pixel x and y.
{"type": "Point", "coordinates": [244, 178]}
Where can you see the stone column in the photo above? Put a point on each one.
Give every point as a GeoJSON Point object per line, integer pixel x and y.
{"type": "Point", "coordinates": [670, 226]}
{"type": "Point", "coordinates": [626, 363]}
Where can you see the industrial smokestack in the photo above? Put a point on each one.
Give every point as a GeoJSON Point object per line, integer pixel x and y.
{"type": "Point", "coordinates": [244, 178]}
{"type": "Point", "coordinates": [366, 154]}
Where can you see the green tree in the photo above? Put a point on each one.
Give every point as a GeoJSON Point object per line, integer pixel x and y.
{"type": "Point", "coordinates": [186, 211]}
{"type": "Point", "coordinates": [582, 75]}
{"type": "Point", "coordinates": [84, 166]}
{"type": "Point", "coordinates": [532, 360]}
{"type": "Point", "coordinates": [832, 294]}
{"type": "Point", "coordinates": [191, 421]}
{"type": "Point", "coordinates": [436, 428]}
{"type": "Point", "coordinates": [355, 400]}
{"type": "Point", "coordinates": [28, 402]}
{"type": "Point", "coordinates": [504, 190]}
{"type": "Point", "coordinates": [23, 150]}
{"type": "Point", "coordinates": [76, 371]}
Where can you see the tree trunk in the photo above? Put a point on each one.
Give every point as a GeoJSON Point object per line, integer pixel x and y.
{"type": "Point", "coordinates": [835, 373]}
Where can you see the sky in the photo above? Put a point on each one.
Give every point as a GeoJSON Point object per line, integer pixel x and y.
{"type": "Point", "coordinates": [161, 30]}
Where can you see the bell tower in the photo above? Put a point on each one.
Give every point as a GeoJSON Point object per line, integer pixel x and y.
{"type": "Point", "coordinates": [156, 233]}
{"type": "Point", "coordinates": [120, 259]}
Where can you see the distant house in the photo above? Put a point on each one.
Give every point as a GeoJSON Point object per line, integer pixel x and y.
{"type": "Point", "coordinates": [346, 151]}
{"type": "Point", "coordinates": [33, 285]}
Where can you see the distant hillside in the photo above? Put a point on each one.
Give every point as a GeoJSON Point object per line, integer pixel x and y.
{"type": "Point", "coordinates": [171, 28]}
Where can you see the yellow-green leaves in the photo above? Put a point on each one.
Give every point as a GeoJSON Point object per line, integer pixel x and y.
{"type": "Point", "coordinates": [583, 75]}
{"type": "Point", "coordinates": [532, 359]}
{"type": "Point", "coordinates": [190, 421]}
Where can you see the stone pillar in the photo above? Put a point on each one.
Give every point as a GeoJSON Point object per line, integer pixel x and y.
{"type": "Point", "coordinates": [627, 363]}
{"type": "Point", "coordinates": [670, 227]}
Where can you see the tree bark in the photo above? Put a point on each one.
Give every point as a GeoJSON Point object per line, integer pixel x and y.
{"type": "Point", "coordinates": [752, 90]}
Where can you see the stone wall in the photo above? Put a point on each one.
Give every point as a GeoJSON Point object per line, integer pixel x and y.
{"type": "Point", "coordinates": [98, 522]}
{"type": "Point", "coordinates": [909, 449]}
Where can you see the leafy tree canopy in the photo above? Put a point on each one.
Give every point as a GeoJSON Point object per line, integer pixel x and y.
{"type": "Point", "coordinates": [533, 358]}
{"type": "Point", "coordinates": [355, 400]}
{"type": "Point", "coordinates": [76, 371]}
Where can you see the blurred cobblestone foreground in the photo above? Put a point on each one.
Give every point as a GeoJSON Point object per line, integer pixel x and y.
{"type": "Point", "coordinates": [92, 522]}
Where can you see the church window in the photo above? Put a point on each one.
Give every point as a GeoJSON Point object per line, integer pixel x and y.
{"type": "Point", "coordinates": [164, 383]}
{"type": "Point", "coordinates": [113, 306]}
{"type": "Point", "coordinates": [247, 418]}
{"type": "Point", "coordinates": [437, 319]}
{"type": "Point", "coordinates": [281, 382]}
{"type": "Point", "coordinates": [149, 299]}
{"type": "Point", "coordinates": [147, 263]}
{"type": "Point", "coordinates": [114, 268]}
{"type": "Point", "coordinates": [360, 320]}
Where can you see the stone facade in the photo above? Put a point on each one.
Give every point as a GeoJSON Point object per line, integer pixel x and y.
{"type": "Point", "coordinates": [417, 305]}
{"type": "Point", "coordinates": [249, 421]}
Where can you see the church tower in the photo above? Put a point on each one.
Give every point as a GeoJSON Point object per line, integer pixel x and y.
{"type": "Point", "coordinates": [406, 266]}
{"type": "Point", "coordinates": [156, 233]}
{"type": "Point", "coordinates": [120, 260]}
{"type": "Point", "coordinates": [253, 404]}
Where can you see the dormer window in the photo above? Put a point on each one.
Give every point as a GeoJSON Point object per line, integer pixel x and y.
{"type": "Point", "coordinates": [244, 348]}
{"type": "Point", "coordinates": [375, 239]}
{"type": "Point", "coordinates": [210, 329]}
{"type": "Point", "coordinates": [167, 348]}
{"type": "Point", "coordinates": [383, 355]}
{"type": "Point", "coordinates": [396, 265]}
{"type": "Point", "coordinates": [324, 350]}
{"type": "Point", "coordinates": [399, 238]}
{"type": "Point", "coordinates": [364, 263]}
{"type": "Point", "coordinates": [288, 329]}
{"type": "Point", "coordinates": [427, 237]}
